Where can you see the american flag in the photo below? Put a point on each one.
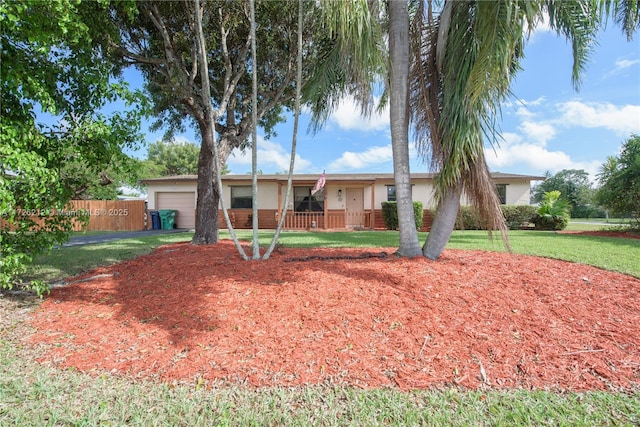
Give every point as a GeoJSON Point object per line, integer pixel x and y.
{"type": "Point", "coordinates": [319, 184]}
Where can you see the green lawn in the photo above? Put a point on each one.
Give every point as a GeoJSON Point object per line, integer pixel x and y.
{"type": "Point", "coordinates": [34, 394]}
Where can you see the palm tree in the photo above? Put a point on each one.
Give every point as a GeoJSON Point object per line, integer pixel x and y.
{"type": "Point", "coordinates": [399, 115]}
{"type": "Point", "coordinates": [466, 57]}
{"type": "Point", "coordinates": [354, 64]}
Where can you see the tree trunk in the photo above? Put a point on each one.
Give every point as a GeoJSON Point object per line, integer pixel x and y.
{"type": "Point", "coordinates": [208, 200]}
{"type": "Point", "coordinates": [443, 224]}
{"type": "Point", "coordinates": [398, 106]}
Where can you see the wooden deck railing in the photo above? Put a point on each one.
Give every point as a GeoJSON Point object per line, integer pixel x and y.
{"type": "Point", "coordinates": [332, 220]}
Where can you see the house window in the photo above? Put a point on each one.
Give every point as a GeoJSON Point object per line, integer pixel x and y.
{"type": "Point", "coordinates": [391, 193]}
{"type": "Point", "coordinates": [241, 197]}
{"type": "Point", "coordinates": [303, 201]}
{"type": "Point", "coordinates": [502, 193]}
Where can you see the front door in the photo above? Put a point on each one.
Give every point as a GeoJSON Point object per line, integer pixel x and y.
{"type": "Point", "coordinates": [355, 208]}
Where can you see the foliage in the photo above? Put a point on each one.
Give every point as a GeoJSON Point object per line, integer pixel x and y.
{"type": "Point", "coordinates": [516, 217]}
{"type": "Point", "coordinates": [390, 214]}
{"type": "Point", "coordinates": [49, 62]}
{"type": "Point", "coordinates": [575, 187]}
{"type": "Point", "coordinates": [467, 54]}
{"type": "Point", "coordinates": [160, 40]}
{"type": "Point", "coordinates": [619, 180]}
{"type": "Point", "coordinates": [553, 213]}
{"type": "Point", "coordinates": [174, 158]}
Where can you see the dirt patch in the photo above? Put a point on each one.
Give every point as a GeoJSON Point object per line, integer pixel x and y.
{"type": "Point", "coordinates": [473, 319]}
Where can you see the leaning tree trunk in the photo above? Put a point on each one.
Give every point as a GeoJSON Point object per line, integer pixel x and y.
{"type": "Point", "coordinates": [208, 199]}
{"type": "Point", "coordinates": [399, 117]}
{"type": "Point", "coordinates": [443, 224]}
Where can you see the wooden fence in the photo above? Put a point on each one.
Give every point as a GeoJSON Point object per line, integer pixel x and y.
{"type": "Point", "coordinates": [104, 215]}
{"type": "Point", "coordinates": [112, 215]}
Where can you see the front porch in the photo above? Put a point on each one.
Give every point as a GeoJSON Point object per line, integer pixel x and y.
{"type": "Point", "coordinates": [331, 220]}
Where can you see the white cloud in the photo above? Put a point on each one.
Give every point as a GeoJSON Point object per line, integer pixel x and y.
{"type": "Point", "coordinates": [372, 156]}
{"type": "Point", "coordinates": [347, 116]}
{"type": "Point", "coordinates": [516, 150]}
{"type": "Point", "coordinates": [181, 140]}
{"type": "Point", "coordinates": [271, 157]}
{"type": "Point", "coordinates": [541, 27]}
{"type": "Point", "coordinates": [537, 132]}
{"type": "Point", "coordinates": [623, 120]}
{"type": "Point", "coordinates": [625, 63]}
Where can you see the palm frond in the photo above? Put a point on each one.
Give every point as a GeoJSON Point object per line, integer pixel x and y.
{"type": "Point", "coordinates": [578, 21]}
{"type": "Point", "coordinates": [354, 58]}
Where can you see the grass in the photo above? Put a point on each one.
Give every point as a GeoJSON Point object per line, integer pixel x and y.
{"type": "Point", "coordinates": [70, 261]}
{"type": "Point", "coordinates": [45, 397]}
{"type": "Point", "coordinates": [35, 394]}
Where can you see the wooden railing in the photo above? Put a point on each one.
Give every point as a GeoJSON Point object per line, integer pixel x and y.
{"type": "Point", "coordinates": [333, 220]}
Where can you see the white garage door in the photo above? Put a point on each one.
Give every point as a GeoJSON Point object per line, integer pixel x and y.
{"type": "Point", "coordinates": [183, 202]}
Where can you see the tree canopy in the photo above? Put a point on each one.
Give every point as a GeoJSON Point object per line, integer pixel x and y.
{"type": "Point", "coordinates": [574, 186]}
{"type": "Point", "coordinates": [54, 84]}
{"type": "Point", "coordinates": [619, 180]}
{"type": "Point", "coordinates": [174, 158]}
{"type": "Point", "coordinates": [159, 38]}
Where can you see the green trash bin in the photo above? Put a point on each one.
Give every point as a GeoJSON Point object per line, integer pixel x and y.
{"type": "Point", "coordinates": [167, 218]}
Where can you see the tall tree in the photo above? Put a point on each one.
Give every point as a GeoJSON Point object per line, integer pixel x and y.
{"type": "Point", "coordinates": [296, 118]}
{"type": "Point", "coordinates": [574, 187]}
{"type": "Point", "coordinates": [176, 158]}
{"type": "Point", "coordinates": [467, 55]}
{"type": "Point", "coordinates": [51, 61]}
{"type": "Point", "coordinates": [619, 181]}
{"type": "Point", "coordinates": [161, 41]}
{"type": "Point", "coordinates": [399, 121]}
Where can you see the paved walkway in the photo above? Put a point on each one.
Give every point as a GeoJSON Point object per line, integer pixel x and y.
{"type": "Point", "coordinates": [117, 235]}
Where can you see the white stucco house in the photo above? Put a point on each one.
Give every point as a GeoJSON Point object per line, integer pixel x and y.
{"type": "Point", "coordinates": [347, 201]}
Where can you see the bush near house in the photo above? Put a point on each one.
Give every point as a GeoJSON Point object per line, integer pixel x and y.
{"type": "Point", "coordinates": [390, 214]}
{"type": "Point", "coordinates": [553, 213]}
{"type": "Point", "coordinates": [516, 216]}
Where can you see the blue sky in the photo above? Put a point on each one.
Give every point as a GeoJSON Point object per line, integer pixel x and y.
{"type": "Point", "coordinates": [548, 126]}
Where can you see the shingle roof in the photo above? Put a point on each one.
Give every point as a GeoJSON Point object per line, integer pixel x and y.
{"type": "Point", "coordinates": [370, 177]}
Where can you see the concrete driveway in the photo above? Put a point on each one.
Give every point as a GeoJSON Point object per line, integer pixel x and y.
{"type": "Point", "coordinates": [117, 235]}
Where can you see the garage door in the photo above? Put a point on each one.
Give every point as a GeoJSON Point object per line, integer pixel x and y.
{"type": "Point", "coordinates": [183, 202]}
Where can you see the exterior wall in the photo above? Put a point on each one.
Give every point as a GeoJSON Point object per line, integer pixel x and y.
{"type": "Point", "coordinates": [165, 188]}
{"type": "Point", "coordinates": [271, 195]}
{"type": "Point", "coordinates": [518, 193]}
{"type": "Point", "coordinates": [422, 191]}
{"type": "Point", "coordinates": [267, 193]}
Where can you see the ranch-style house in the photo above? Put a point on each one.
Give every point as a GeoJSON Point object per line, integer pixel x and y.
{"type": "Point", "coordinates": [347, 201]}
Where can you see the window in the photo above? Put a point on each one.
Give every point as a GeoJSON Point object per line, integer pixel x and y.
{"type": "Point", "coordinates": [502, 193]}
{"type": "Point", "coordinates": [241, 197]}
{"type": "Point", "coordinates": [391, 193]}
{"type": "Point", "coordinates": [303, 201]}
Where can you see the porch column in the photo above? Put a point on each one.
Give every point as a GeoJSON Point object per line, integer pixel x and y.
{"type": "Point", "coordinates": [373, 206]}
{"type": "Point", "coordinates": [279, 209]}
{"type": "Point", "coordinates": [325, 207]}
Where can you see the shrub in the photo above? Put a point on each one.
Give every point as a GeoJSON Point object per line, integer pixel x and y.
{"type": "Point", "coordinates": [390, 214]}
{"type": "Point", "coordinates": [468, 219]}
{"type": "Point", "coordinates": [516, 217]}
{"type": "Point", "coordinates": [553, 213]}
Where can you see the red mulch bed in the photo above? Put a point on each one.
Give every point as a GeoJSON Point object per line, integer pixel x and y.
{"type": "Point", "coordinates": [471, 319]}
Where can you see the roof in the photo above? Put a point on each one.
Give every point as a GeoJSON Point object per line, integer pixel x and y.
{"type": "Point", "coordinates": [338, 177]}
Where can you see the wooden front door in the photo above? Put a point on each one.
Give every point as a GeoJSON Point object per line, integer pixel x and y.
{"type": "Point", "coordinates": [355, 208]}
